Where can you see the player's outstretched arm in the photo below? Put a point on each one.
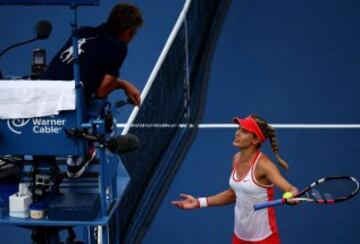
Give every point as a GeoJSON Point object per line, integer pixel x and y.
{"type": "Point", "coordinates": [220, 199]}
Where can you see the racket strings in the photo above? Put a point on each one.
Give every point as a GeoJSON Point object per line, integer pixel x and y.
{"type": "Point", "coordinates": [333, 189]}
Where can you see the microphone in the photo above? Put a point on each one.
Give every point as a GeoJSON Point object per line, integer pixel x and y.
{"type": "Point", "coordinates": [123, 144]}
{"type": "Point", "coordinates": [43, 29]}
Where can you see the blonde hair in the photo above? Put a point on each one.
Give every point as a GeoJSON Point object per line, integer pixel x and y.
{"type": "Point", "coordinates": [269, 132]}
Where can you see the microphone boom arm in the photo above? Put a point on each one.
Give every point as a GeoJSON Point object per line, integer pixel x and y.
{"type": "Point", "coordinates": [16, 45]}
{"type": "Point", "coordinates": [43, 30]}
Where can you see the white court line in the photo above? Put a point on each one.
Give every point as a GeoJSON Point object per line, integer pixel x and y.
{"type": "Point", "coordinates": [225, 126]}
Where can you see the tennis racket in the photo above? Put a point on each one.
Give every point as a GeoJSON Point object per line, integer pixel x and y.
{"type": "Point", "coordinates": [327, 190]}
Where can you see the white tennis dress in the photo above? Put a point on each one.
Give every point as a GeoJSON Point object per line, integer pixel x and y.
{"type": "Point", "coordinates": [251, 225]}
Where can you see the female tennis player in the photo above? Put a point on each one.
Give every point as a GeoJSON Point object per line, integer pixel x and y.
{"type": "Point", "coordinates": [252, 180]}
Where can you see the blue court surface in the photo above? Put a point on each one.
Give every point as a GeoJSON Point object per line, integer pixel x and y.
{"type": "Point", "coordinates": [295, 63]}
{"type": "Point", "coordinates": [292, 63]}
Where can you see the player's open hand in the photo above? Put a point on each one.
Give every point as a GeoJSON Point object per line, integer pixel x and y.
{"type": "Point", "coordinates": [188, 202]}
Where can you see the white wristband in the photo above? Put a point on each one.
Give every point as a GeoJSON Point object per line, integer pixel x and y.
{"type": "Point", "coordinates": [202, 202]}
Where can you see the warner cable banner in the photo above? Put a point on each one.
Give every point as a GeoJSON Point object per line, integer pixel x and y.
{"type": "Point", "coordinates": [49, 2]}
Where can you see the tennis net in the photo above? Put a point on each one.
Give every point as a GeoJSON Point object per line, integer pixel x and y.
{"type": "Point", "coordinates": [173, 101]}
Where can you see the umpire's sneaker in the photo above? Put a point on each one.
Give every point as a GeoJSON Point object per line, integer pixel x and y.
{"type": "Point", "coordinates": [77, 165]}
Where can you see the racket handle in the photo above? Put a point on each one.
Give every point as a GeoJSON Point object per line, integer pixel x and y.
{"type": "Point", "coordinates": [261, 205]}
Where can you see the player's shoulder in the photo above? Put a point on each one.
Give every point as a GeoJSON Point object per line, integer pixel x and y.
{"type": "Point", "coordinates": [265, 162]}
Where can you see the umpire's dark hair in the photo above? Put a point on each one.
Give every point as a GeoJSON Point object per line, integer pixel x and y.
{"type": "Point", "coordinates": [123, 17]}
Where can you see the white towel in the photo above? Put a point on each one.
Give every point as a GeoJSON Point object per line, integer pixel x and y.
{"type": "Point", "coordinates": [21, 99]}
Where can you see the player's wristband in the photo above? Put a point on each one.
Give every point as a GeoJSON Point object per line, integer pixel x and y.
{"type": "Point", "coordinates": [203, 203]}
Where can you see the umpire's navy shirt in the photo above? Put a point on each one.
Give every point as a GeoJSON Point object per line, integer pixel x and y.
{"type": "Point", "coordinates": [100, 54]}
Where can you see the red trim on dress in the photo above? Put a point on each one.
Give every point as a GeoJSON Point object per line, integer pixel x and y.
{"type": "Point", "coordinates": [271, 212]}
{"type": "Point", "coordinates": [233, 175]}
{"type": "Point", "coordinates": [256, 156]}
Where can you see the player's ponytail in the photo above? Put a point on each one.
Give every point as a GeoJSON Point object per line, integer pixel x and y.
{"type": "Point", "coordinates": [269, 132]}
